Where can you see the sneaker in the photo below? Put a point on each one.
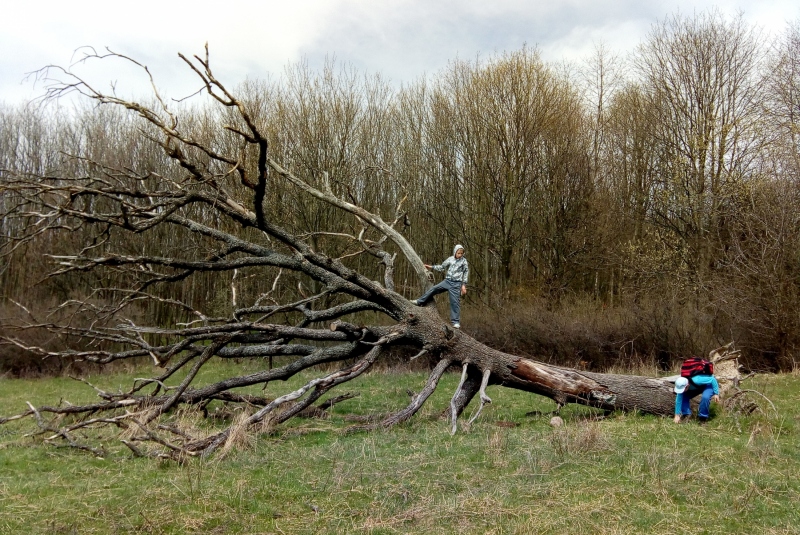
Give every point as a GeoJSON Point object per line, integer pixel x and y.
{"type": "Point", "coordinates": [456, 325]}
{"type": "Point", "coordinates": [702, 421]}
{"type": "Point", "coordinates": [414, 302]}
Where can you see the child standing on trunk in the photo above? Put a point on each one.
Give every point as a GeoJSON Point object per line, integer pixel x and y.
{"type": "Point", "coordinates": [456, 270]}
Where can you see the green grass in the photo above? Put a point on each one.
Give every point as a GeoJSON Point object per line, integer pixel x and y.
{"type": "Point", "coordinates": [624, 474]}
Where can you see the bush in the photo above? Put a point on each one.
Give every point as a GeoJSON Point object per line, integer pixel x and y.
{"type": "Point", "coordinates": [586, 334]}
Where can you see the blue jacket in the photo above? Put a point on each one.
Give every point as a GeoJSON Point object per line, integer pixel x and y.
{"type": "Point", "coordinates": [697, 383]}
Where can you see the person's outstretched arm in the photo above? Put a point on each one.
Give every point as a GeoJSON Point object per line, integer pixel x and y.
{"type": "Point", "coordinates": [678, 402]}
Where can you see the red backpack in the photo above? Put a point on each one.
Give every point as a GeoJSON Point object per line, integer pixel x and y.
{"type": "Point", "coordinates": [696, 366]}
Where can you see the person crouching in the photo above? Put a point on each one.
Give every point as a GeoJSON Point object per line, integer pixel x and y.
{"type": "Point", "coordinates": [686, 389]}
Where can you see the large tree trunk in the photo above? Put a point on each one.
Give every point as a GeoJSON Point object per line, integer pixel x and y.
{"type": "Point", "coordinates": [564, 385]}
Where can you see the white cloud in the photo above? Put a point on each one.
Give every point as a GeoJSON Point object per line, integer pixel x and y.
{"type": "Point", "coordinates": [400, 38]}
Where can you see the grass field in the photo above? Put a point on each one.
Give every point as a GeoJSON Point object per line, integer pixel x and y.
{"type": "Point", "coordinates": [509, 473]}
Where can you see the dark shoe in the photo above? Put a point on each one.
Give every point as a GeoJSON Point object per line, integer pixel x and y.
{"type": "Point", "coordinates": [702, 421]}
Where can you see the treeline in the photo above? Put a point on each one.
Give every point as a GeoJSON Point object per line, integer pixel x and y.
{"type": "Point", "coordinates": [657, 191]}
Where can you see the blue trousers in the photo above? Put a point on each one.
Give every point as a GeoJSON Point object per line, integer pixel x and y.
{"type": "Point", "coordinates": [454, 289]}
{"type": "Point", "coordinates": [705, 402]}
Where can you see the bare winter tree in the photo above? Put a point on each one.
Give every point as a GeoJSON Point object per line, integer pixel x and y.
{"type": "Point", "coordinates": [209, 194]}
{"type": "Point", "coordinates": [702, 96]}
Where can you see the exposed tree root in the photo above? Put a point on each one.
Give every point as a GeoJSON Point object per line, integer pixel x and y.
{"type": "Point", "coordinates": [739, 403]}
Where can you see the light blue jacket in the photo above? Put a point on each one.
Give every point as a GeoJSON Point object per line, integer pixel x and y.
{"type": "Point", "coordinates": [699, 382]}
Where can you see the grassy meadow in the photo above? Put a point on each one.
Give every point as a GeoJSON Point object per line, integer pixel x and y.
{"type": "Point", "coordinates": [510, 472]}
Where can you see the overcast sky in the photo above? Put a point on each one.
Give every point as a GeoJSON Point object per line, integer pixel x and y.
{"type": "Point", "coordinates": [402, 39]}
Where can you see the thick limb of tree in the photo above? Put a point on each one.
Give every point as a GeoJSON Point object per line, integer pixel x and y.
{"type": "Point", "coordinates": [483, 397]}
{"type": "Point", "coordinates": [417, 400]}
{"type": "Point", "coordinates": [211, 193]}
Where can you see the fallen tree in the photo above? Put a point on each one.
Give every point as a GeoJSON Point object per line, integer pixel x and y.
{"type": "Point", "coordinates": [218, 197]}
